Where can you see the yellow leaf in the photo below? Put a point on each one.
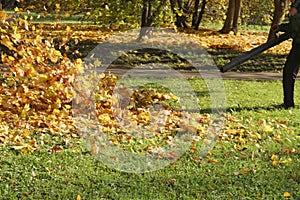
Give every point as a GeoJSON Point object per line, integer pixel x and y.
{"type": "Point", "coordinates": [3, 15]}
{"type": "Point", "coordinates": [79, 66]}
{"type": "Point", "coordinates": [68, 107]}
{"type": "Point", "coordinates": [56, 111]}
{"type": "Point", "coordinates": [231, 131]}
{"type": "Point", "coordinates": [273, 157]}
{"type": "Point", "coordinates": [244, 171]}
{"type": "Point", "coordinates": [39, 59]}
{"type": "Point", "coordinates": [43, 77]}
{"type": "Point", "coordinates": [57, 5]}
{"type": "Point", "coordinates": [231, 33]}
{"type": "Point", "coordinates": [25, 110]}
{"type": "Point", "coordinates": [268, 128]}
{"type": "Point", "coordinates": [212, 161]}
{"type": "Point", "coordinates": [286, 194]}
{"type": "Point", "coordinates": [97, 63]}
{"type": "Point", "coordinates": [283, 160]}
{"type": "Point", "coordinates": [105, 118]}
{"type": "Point", "coordinates": [16, 9]}
{"type": "Point", "coordinates": [68, 29]}
{"type": "Point", "coordinates": [17, 36]}
{"type": "Point", "coordinates": [11, 58]}
{"type": "Point", "coordinates": [32, 70]}
{"type": "Point", "coordinates": [67, 14]}
{"type": "Point", "coordinates": [258, 195]}
{"type": "Point", "coordinates": [25, 88]}
{"type": "Point", "coordinates": [78, 197]}
{"type": "Point", "coordinates": [26, 133]}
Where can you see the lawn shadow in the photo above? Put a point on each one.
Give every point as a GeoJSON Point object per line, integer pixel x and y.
{"type": "Point", "coordinates": [272, 107]}
{"type": "Point", "coordinates": [265, 62]}
{"type": "Point", "coordinates": [209, 110]}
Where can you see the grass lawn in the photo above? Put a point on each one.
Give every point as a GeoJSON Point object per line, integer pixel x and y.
{"type": "Point", "coordinates": [257, 156]}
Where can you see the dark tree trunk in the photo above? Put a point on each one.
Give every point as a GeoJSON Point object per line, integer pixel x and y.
{"type": "Point", "coordinates": [280, 6]}
{"type": "Point", "coordinates": [8, 4]}
{"type": "Point", "coordinates": [201, 12]}
{"type": "Point", "coordinates": [181, 19]}
{"type": "Point", "coordinates": [195, 13]}
{"type": "Point", "coordinates": [146, 18]}
{"type": "Point", "coordinates": [237, 12]}
{"type": "Point", "coordinates": [232, 16]}
{"type": "Point", "coordinates": [148, 15]}
{"type": "Point", "coordinates": [229, 17]}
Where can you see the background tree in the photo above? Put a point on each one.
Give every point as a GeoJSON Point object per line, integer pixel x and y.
{"type": "Point", "coordinates": [151, 9]}
{"type": "Point", "coordinates": [127, 14]}
{"type": "Point", "coordinates": [186, 11]}
{"type": "Point", "coordinates": [280, 7]}
{"type": "Point", "coordinates": [198, 15]}
{"type": "Point", "coordinates": [9, 4]}
{"type": "Point", "coordinates": [232, 16]}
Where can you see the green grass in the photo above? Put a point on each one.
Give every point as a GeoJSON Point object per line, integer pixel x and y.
{"type": "Point", "coordinates": [252, 28]}
{"type": "Point", "coordinates": [237, 168]}
{"type": "Point", "coordinates": [35, 17]}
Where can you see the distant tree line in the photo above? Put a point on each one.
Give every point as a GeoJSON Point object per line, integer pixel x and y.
{"type": "Point", "coordinates": [179, 13]}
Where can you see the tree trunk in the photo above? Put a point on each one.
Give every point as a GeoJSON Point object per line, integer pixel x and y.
{"type": "Point", "coordinates": [195, 13]}
{"type": "Point", "coordinates": [8, 4]}
{"type": "Point", "coordinates": [280, 6]}
{"type": "Point", "coordinates": [199, 17]}
{"type": "Point", "coordinates": [148, 15]}
{"type": "Point", "coordinates": [146, 18]}
{"type": "Point", "coordinates": [237, 12]}
{"type": "Point", "coordinates": [229, 17]}
{"type": "Point", "coordinates": [232, 16]}
{"type": "Point", "coordinates": [181, 16]}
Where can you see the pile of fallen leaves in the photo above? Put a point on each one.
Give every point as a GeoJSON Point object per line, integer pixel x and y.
{"type": "Point", "coordinates": [36, 86]}
{"type": "Point", "coordinates": [36, 95]}
{"type": "Point", "coordinates": [141, 117]}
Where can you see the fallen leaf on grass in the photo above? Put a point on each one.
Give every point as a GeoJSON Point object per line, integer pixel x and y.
{"type": "Point", "coordinates": [212, 161]}
{"type": "Point", "coordinates": [268, 128]}
{"type": "Point", "coordinates": [243, 171]}
{"type": "Point", "coordinates": [274, 159]}
{"type": "Point", "coordinates": [78, 197]}
{"type": "Point", "coordinates": [287, 194]}
{"type": "Point", "coordinates": [56, 149]}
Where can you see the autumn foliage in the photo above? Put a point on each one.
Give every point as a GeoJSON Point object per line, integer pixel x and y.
{"type": "Point", "coordinates": [37, 92]}
{"type": "Point", "coordinates": [36, 85]}
{"type": "Point", "coordinates": [37, 88]}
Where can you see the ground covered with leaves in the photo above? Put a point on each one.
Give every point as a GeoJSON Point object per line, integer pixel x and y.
{"type": "Point", "coordinates": [40, 145]}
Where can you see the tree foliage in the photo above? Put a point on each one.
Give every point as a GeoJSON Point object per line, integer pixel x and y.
{"type": "Point", "coordinates": [128, 13]}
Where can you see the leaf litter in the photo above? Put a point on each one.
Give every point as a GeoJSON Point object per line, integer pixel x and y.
{"type": "Point", "coordinates": [36, 96]}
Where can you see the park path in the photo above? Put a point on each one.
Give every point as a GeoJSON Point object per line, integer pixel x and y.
{"type": "Point", "coordinates": [227, 75]}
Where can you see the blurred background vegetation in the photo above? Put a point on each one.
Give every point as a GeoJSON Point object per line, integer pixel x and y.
{"type": "Point", "coordinates": [162, 13]}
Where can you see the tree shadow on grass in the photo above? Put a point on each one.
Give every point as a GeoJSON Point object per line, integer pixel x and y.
{"type": "Point", "coordinates": [211, 110]}
{"type": "Point", "coordinates": [272, 107]}
{"type": "Point", "coordinates": [265, 62]}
